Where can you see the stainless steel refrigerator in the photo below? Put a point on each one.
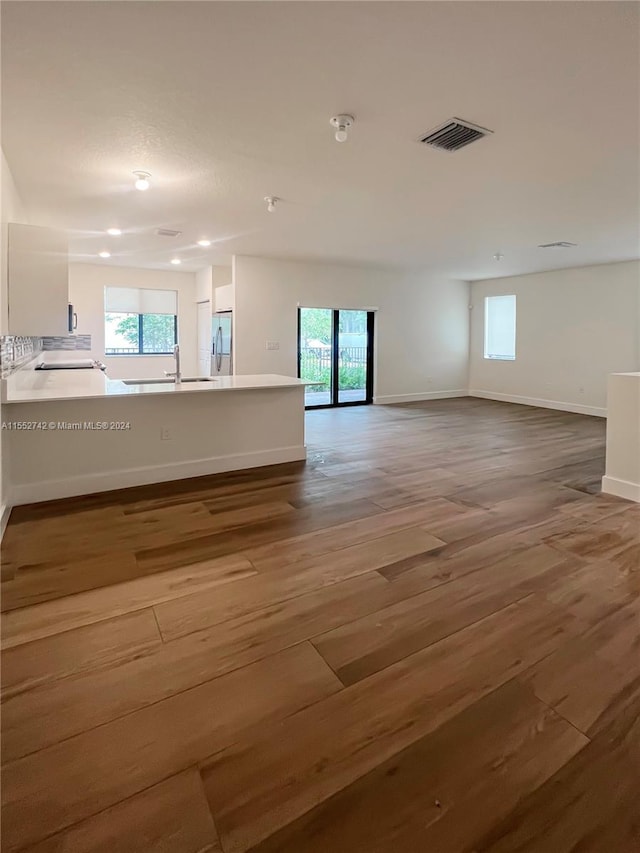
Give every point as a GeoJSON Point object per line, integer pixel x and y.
{"type": "Point", "coordinates": [222, 344]}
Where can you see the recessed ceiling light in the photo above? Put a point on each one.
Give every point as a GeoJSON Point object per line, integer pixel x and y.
{"type": "Point", "coordinates": [142, 180]}
{"type": "Point", "coordinates": [176, 261]}
{"type": "Point", "coordinates": [204, 243]}
{"type": "Point", "coordinates": [104, 254]}
{"type": "Point", "coordinates": [114, 232]}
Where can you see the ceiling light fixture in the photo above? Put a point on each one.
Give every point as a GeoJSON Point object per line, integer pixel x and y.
{"type": "Point", "coordinates": [176, 261]}
{"type": "Point", "coordinates": [342, 123]}
{"type": "Point", "coordinates": [271, 200]}
{"type": "Point", "coordinates": [204, 243]}
{"type": "Point", "coordinates": [142, 180]}
{"type": "Point", "coordinates": [104, 254]}
{"type": "Point", "coordinates": [114, 232]}
{"type": "Point", "coordinates": [498, 256]}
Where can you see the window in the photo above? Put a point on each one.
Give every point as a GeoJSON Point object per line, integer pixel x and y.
{"type": "Point", "coordinates": [140, 321]}
{"type": "Point", "coordinates": [500, 327]}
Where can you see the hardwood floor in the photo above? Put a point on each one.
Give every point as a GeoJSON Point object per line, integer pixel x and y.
{"type": "Point", "coordinates": [426, 639]}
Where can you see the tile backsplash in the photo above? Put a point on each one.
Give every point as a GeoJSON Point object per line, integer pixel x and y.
{"type": "Point", "coordinates": [66, 342]}
{"type": "Point", "coordinates": [16, 351]}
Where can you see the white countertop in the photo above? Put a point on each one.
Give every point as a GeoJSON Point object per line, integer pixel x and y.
{"type": "Point", "coordinates": [35, 386]}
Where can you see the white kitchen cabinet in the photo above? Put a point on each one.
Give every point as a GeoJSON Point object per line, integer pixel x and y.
{"type": "Point", "coordinates": [38, 280]}
{"type": "Point", "coordinates": [224, 298]}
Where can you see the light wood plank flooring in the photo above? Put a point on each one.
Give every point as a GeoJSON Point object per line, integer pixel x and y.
{"type": "Point", "coordinates": [426, 640]}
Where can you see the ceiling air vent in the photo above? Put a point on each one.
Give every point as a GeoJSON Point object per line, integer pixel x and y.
{"type": "Point", "coordinates": [561, 244]}
{"type": "Point", "coordinates": [167, 232]}
{"type": "Point", "coordinates": [454, 134]}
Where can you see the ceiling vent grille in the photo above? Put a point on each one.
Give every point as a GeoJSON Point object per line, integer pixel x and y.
{"type": "Point", "coordinates": [454, 135]}
{"type": "Point", "coordinates": [561, 244]}
{"type": "Point", "coordinates": [167, 232]}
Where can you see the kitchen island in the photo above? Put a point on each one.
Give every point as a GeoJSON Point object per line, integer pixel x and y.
{"type": "Point", "coordinates": [75, 432]}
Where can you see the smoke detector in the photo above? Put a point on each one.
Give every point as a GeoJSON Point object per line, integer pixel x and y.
{"type": "Point", "coordinates": [454, 135]}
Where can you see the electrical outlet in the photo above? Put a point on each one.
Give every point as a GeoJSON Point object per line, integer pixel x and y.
{"type": "Point", "coordinates": [271, 345]}
{"type": "Point", "coordinates": [581, 390]}
{"type": "Point", "coordinates": [166, 433]}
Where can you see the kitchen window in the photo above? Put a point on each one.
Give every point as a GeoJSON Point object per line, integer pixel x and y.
{"type": "Point", "coordinates": [140, 321]}
{"type": "Point", "coordinates": [500, 327]}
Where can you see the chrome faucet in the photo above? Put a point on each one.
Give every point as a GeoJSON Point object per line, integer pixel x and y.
{"type": "Point", "coordinates": [177, 375]}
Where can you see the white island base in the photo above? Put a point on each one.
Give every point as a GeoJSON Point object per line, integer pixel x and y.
{"type": "Point", "coordinates": [149, 437]}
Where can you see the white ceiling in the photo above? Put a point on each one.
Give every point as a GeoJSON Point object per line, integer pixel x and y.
{"type": "Point", "coordinates": [225, 103]}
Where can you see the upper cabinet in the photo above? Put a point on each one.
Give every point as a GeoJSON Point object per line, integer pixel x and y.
{"type": "Point", "coordinates": [224, 298]}
{"type": "Point", "coordinates": [38, 281]}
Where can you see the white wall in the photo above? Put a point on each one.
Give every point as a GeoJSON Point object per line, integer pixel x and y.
{"type": "Point", "coordinates": [422, 331]}
{"type": "Point", "coordinates": [86, 292]}
{"type": "Point", "coordinates": [222, 276]}
{"type": "Point", "coordinates": [573, 328]}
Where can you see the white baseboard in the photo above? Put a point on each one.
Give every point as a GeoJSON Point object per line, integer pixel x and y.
{"type": "Point", "coordinates": [577, 408]}
{"type": "Point", "coordinates": [621, 488]}
{"type": "Point", "coordinates": [85, 484]}
{"type": "Point", "coordinates": [416, 398]}
{"type": "Point", "coordinates": [5, 512]}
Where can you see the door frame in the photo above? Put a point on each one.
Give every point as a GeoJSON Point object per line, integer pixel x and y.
{"type": "Point", "coordinates": [335, 358]}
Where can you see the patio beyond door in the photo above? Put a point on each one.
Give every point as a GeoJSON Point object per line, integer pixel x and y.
{"type": "Point", "coordinates": [335, 349]}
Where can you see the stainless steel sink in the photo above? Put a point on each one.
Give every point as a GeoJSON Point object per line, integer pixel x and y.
{"type": "Point", "coordinates": [169, 381]}
{"type": "Point", "coordinates": [147, 381]}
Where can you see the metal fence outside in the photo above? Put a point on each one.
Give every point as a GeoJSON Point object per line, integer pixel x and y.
{"type": "Point", "coordinates": [315, 366]}
{"type": "Point", "coordinates": [346, 355]}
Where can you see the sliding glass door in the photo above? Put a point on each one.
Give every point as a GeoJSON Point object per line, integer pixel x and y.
{"type": "Point", "coordinates": [353, 357]}
{"type": "Point", "coordinates": [335, 351]}
{"type": "Point", "coordinates": [315, 354]}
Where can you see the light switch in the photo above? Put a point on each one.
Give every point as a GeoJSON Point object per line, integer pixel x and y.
{"type": "Point", "coordinates": [271, 345]}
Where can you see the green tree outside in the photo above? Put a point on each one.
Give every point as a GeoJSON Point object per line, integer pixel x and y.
{"type": "Point", "coordinates": [158, 331]}
{"type": "Point", "coordinates": [315, 325]}
{"type": "Point", "coordinates": [315, 362]}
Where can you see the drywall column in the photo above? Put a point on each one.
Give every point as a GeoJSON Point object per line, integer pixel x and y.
{"type": "Point", "coordinates": [622, 476]}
